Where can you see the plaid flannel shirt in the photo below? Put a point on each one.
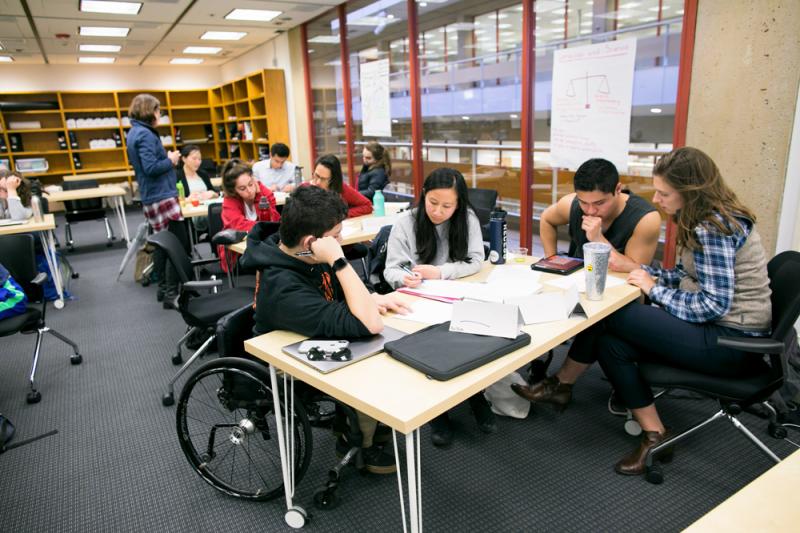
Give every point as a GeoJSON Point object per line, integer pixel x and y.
{"type": "Point", "coordinates": [715, 275]}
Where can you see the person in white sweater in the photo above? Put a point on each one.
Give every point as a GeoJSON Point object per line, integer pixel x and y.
{"type": "Point", "coordinates": [439, 239]}
{"type": "Point", "coordinates": [15, 196]}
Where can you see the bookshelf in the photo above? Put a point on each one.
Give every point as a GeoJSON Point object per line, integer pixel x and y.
{"type": "Point", "coordinates": [84, 132]}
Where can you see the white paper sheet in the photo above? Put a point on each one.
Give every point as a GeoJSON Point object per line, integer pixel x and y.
{"type": "Point", "coordinates": [548, 306]}
{"type": "Point", "coordinates": [579, 280]}
{"type": "Point", "coordinates": [428, 312]}
{"type": "Point", "coordinates": [484, 318]}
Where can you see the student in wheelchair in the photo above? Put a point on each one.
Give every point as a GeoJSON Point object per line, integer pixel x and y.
{"type": "Point", "coordinates": [307, 286]}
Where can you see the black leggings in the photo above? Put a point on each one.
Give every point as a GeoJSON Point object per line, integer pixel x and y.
{"type": "Point", "coordinates": [645, 333]}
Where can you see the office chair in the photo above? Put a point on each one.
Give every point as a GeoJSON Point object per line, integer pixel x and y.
{"type": "Point", "coordinates": [734, 395]}
{"type": "Point", "coordinates": [483, 202]}
{"type": "Point", "coordinates": [80, 210]}
{"type": "Point", "coordinates": [237, 386]}
{"type": "Point", "coordinates": [198, 312]}
{"type": "Point", "coordinates": [18, 256]}
{"type": "Point", "coordinates": [214, 223]}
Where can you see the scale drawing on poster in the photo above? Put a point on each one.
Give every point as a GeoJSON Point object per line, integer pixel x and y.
{"type": "Point", "coordinates": [375, 107]}
{"type": "Point", "coordinates": [591, 103]}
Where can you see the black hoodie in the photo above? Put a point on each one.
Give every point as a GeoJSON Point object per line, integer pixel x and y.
{"type": "Point", "coordinates": [295, 296]}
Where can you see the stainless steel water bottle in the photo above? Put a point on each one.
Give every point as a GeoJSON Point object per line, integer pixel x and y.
{"type": "Point", "coordinates": [498, 237]}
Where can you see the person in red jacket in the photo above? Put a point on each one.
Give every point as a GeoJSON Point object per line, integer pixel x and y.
{"type": "Point", "coordinates": [328, 175]}
{"type": "Point", "coordinates": [246, 202]}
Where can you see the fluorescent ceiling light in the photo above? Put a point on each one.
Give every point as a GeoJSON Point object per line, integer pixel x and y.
{"type": "Point", "coordinates": [260, 15]}
{"type": "Point", "coordinates": [117, 8]}
{"type": "Point", "coordinates": [185, 61]}
{"type": "Point", "coordinates": [465, 117]}
{"type": "Point", "coordinates": [92, 59]}
{"type": "Point", "coordinates": [6, 59]}
{"type": "Point", "coordinates": [325, 39]}
{"type": "Point", "coordinates": [202, 50]}
{"type": "Point", "coordinates": [100, 48]}
{"type": "Point", "coordinates": [655, 110]}
{"type": "Point", "coordinates": [104, 31]}
{"type": "Point", "coordinates": [514, 116]}
{"type": "Point", "coordinates": [223, 35]}
{"type": "Point", "coordinates": [629, 5]}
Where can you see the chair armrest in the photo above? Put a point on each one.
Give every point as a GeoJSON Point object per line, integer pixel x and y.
{"type": "Point", "coordinates": [40, 278]}
{"type": "Point", "coordinates": [198, 285]}
{"type": "Point", "coordinates": [752, 344]}
{"type": "Point", "coordinates": [199, 262]}
{"type": "Point", "coordinates": [228, 236]}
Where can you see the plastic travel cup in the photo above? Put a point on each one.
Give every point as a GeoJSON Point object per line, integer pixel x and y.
{"type": "Point", "coordinates": [595, 265]}
{"type": "Point", "coordinates": [518, 254]}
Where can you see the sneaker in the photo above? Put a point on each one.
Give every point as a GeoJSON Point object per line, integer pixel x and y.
{"type": "Point", "coordinates": [378, 461]}
{"type": "Point", "coordinates": [484, 416]}
{"type": "Point", "coordinates": [441, 431]}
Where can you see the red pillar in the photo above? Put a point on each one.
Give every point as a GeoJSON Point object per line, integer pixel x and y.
{"type": "Point", "coordinates": [416, 99]}
{"type": "Point", "coordinates": [312, 140]}
{"type": "Point", "coordinates": [346, 94]}
{"type": "Point", "coordinates": [526, 124]}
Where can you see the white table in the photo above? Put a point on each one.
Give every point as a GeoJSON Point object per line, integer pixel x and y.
{"type": "Point", "coordinates": [112, 191]}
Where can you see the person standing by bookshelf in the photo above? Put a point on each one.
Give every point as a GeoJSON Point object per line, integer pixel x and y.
{"type": "Point", "coordinates": [155, 174]}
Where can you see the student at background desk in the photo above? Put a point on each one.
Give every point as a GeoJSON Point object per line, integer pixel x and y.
{"type": "Point", "coordinates": [328, 175]}
{"type": "Point", "coordinates": [15, 196]}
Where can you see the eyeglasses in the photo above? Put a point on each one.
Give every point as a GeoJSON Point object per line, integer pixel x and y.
{"type": "Point", "coordinates": [316, 354]}
{"type": "Point", "coordinates": [317, 177]}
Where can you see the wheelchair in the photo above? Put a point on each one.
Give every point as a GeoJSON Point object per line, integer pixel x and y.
{"type": "Point", "coordinates": [227, 424]}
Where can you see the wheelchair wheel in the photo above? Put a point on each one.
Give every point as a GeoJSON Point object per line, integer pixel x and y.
{"type": "Point", "coordinates": [227, 429]}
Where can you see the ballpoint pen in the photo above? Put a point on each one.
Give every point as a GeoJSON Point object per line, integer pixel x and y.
{"type": "Point", "coordinates": [409, 271]}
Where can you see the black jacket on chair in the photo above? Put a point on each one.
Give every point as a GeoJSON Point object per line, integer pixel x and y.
{"type": "Point", "coordinates": [372, 180]}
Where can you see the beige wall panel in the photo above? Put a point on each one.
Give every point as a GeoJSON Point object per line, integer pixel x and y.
{"type": "Point", "coordinates": [745, 75]}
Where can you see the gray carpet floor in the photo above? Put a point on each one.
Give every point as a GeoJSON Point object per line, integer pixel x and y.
{"type": "Point", "coordinates": [115, 463]}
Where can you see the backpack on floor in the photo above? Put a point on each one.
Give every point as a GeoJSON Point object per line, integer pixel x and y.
{"type": "Point", "coordinates": [13, 300]}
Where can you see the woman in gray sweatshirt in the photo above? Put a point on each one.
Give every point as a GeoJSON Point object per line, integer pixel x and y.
{"type": "Point", "coordinates": [15, 196]}
{"type": "Point", "coordinates": [439, 239]}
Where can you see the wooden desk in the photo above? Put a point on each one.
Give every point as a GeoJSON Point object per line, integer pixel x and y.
{"type": "Point", "coordinates": [101, 176]}
{"type": "Point", "coordinates": [111, 191]}
{"type": "Point", "coordinates": [768, 503]}
{"type": "Point", "coordinates": [190, 211]}
{"type": "Point", "coordinates": [45, 231]}
{"type": "Point", "coordinates": [404, 398]}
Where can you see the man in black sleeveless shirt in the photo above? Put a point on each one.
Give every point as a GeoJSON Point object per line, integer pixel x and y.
{"type": "Point", "coordinates": [598, 211]}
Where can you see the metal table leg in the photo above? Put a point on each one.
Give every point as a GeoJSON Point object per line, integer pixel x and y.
{"type": "Point", "coordinates": [49, 249]}
{"type": "Point", "coordinates": [414, 474]}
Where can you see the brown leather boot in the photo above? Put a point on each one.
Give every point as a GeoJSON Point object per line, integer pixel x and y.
{"type": "Point", "coordinates": [633, 463]}
{"type": "Point", "coordinates": [549, 390]}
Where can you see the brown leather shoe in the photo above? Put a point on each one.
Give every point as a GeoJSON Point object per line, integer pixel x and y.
{"type": "Point", "coordinates": [633, 463]}
{"type": "Point", "coordinates": [549, 390]}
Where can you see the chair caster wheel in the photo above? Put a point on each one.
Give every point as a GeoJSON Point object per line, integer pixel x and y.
{"type": "Point", "coordinates": [325, 500]}
{"type": "Point", "coordinates": [33, 396]}
{"type": "Point", "coordinates": [109, 244]}
{"type": "Point", "coordinates": [76, 359]}
{"type": "Point", "coordinates": [145, 283]}
{"type": "Point", "coordinates": [75, 275]}
{"type": "Point", "coordinates": [168, 399]}
{"type": "Point", "coordinates": [777, 431]}
{"type": "Point", "coordinates": [633, 428]}
{"type": "Point", "coordinates": [177, 359]}
{"type": "Point", "coordinates": [296, 517]}
{"type": "Point", "coordinates": [654, 475]}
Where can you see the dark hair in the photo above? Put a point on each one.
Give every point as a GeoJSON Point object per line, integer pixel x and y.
{"type": "Point", "coordinates": [381, 156]}
{"type": "Point", "coordinates": [695, 176]}
{"type": "Point", "coordinates": [143, 108]}
{"type": "Point", "coordinates": [310, 211]}
{"type": "Point", "coordinates": [186, 151]}
{"type": "Point", "coordinates": [279, 149]}
{"type": "Point", "coordinates": [231, 172]}
{"type": "Point", "coordinates": [331, 162]}
{"type": "Point", "coordinates": [24, 190]}
{"type": "Point", "coordinates": [596, 175]}
{"type": "Point", "coordinates": [458, 234]}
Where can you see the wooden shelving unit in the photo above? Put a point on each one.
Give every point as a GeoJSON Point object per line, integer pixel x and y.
{"type": "Point", "coordinates": [215, 119]}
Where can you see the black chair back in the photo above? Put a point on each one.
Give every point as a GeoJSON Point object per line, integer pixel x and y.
{"type": "Point", "coordinates": [233, 329]}
{"type": "Point", "coordinates": [77, 210]}
{"type": "Point", "coordinates": [784, 281]}
{"type": "Point", "coordinates": [17, 255]}
{"type": "Point", "coordinates": [483, 202]}
{"type": "Point", "coordinates": [209, 166]}
{"type": "Point", "coordinates": [214, 218]}
{"type": "Point", "coordinates": [180, 228]}
{"type": "Point", "coordinates": [171, 245]}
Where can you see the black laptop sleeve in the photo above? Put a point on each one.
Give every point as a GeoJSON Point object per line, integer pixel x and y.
{"type": "Point", "coordinates": [443, 354]}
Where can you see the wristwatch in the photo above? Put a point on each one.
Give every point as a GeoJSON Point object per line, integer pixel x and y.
{"type": "Point", "coordinates": [339, 264]}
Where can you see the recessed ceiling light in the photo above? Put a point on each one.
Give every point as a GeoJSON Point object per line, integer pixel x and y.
{"type": "Point", "coordinates": [185, 60]}
{"type": "Point", "coordinates": [202, 50]}
{"type": "Point", "coordinates": [118, 8]}
{"type": "Point", "coordinates": [223, 35]}
{"type": "Point", "coordinates": [514, 116]}
{"type": "Point", "coordinates": [100, 48]}
{"type": "Point", "coordinates": [465, 117]}
{"type": "Point", "coordinates": [325, 39]}
{"type": "Point", "coordinates": [655, 110]}
{"type": "Point", "coordinates": [104, 31]}
{"type": "Point", "coordinates": [6, 59]}
{"type": "Point", "coordinates": [260, 15]}
{"type": "Point", "coordinates": [91, 59]}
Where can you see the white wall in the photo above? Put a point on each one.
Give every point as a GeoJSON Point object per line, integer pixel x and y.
{"type": "Point", "coordinates": [274, 54]}
{"type": "Point", "coordinates": [789, 223]}
{"type": "Point", "coordinates": [17, 78]}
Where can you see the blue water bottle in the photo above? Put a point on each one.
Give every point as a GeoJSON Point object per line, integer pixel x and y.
{"type": "Point", "coordinates": [378, 204]}
{"type": "Point", "coordinates": [498, 237]}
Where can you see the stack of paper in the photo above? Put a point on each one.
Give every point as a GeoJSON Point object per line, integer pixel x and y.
{"type": "Point", "coordinates": [428, 312]}
{"type": "Point", "coordinates": [578, 279]}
